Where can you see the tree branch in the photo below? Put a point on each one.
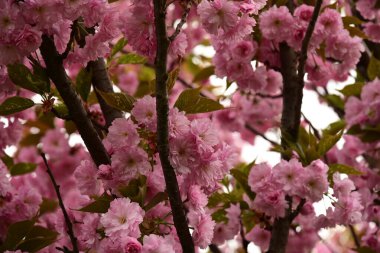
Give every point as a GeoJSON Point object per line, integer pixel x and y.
{"type": "Point", "coordinates": [256, 132]}
{"type": "Point", "coordinates": [57, 74]}
{"type": "Point", "coordinates": [214, 248]}
{"type": "Point", "coordinates": [101, 81]}
{"type": "Point", "coordinates": [182, 21]}
{"type": "Point", "coordinates": [69, 225]}
{"type": "Point", "coordinates": [355, 236]}
{"type": "Point", "coordinates": [162, 109]}
{"type": "Point", "coordinates": [291, 115]}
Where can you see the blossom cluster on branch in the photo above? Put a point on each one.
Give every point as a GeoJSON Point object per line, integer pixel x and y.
{"type": "Point", "coordinates": [160, 168]}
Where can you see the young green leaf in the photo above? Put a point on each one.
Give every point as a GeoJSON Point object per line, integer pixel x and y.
{"type": "Point", "coordinates": [190, 101]}
{"type": "Point", "coordinates": [15, 104]}
{"type": "Point", "coordinates": [23, 77]}
{"type": "Point", "coordinates": [83, 83]}
{"type": "Point", "coordinates": [22, 168]}
{"type": "Point", "coordinates": [131, 59]}
{"type": "Point", "coordinates": [120, 101]}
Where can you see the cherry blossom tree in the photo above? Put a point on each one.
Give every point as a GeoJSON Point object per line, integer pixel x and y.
{"type": "Point", "coordinates": [115, 137]}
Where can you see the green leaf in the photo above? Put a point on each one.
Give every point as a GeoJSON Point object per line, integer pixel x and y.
{"type": "Point", "coordinates": [335, 127]}
{"type": "Point", "coordinates": [159, 197]}
{"type": "Point", "coordinates": [190, 101]}
{"type": "Point", "coordinates": [16, 232]}
{"type": "Point", "coordinates": [220, 216]}
{"type": "Point", "coordinates": [31, 140]}
{"type": "Point", "coordinates": [135, 190]}
{"type": "Point", "coordinates": [61, 110]}
{"type": "Point", "coordinates": [373, 69]}
{"type": "Point", "coordinates": [48, 206]}
{"type": "Point", "coordinates": [83, 83]}
{"type": "Point", "coordinates": [37, 239]}
{"type": "Point", "coordinates": [365, 249]}
{"type": "Point", "coordinates": [335, 101]}
{"type": "Point", "coordinates": [7, 160]}
{"type": "Point", "coordinates": [22, 168]}
{"type": "Point", "coordinates": [321, 51]}
{"type": "Point", "coordinates": [242, 178]}
{"type": "Point", "coordinates": [355, 31]}
{"type": "Point", "coordinates": [341, 168]}
{"type": "Point", "coordinates": [327, 142]}
{"type": "Point", "coordinates": [204, 74]}
{"type": "Point", "coordinates": [131, 58]}
{"type": "Point", "coordinates": [121, 101]}
{"type": "Point", "coordinates": [248, 218]}
{"type": "Point", "coordinates": [100, 205]}
{"type": "Point", "coordinates": [15, 104]}
{"type": "Point", "coordinates": [120, 44]}
{"type": "Point", "coordinates": [352, 90]}
{"type": "Point", "coordinates": [351, 20]}
{"type": "Point", "coordinates": [172, 78]}
{"type": "Point", "coordinates": [23, 77]}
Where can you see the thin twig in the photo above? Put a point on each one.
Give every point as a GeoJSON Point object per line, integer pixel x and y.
{"type": "Point", "coordinates": [256, 132]}
{"type": "Point", "coordinates": [268, 96]}
{"type": "Point", "coordinates": [355, 236]}
{"type": "Point", "coordinates": [315, 130]}
{"type": "Point", "coordinates": [71, 40]}
{"type": "Point", "coordinates": [214, 248]}
{"type": "Point", "coordinates": [294, 214]}
{"type": "Point", "coordinates": [162, 108]}
{"type": "Point", "coordinates": [306, 41]}
{"type": "Point", "coordinates": [69, 225]}
{"type": "Point", "coordinates": [182, 21]}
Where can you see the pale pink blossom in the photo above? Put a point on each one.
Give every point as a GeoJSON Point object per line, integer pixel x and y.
{"type": "Point", "coordinates": [144, 111]}
{"type": "Point", "coordinates": [259, 237]}
{"type": "Point", "coordinates": [218, 14]}
{"type": "Point", "coordinates": [157, 244]}
{"type": "Point", "coordinates": [276, 23]}
{"type": "Point", "coordinates": [123, 217]}
{"type": "Point", "coordinates": [203, 228]}
{"type": "Point", "coordinates": [85, 177]}
{"type": "Point", "coordinates": [123, 133]}
{"type": "Point", "coordinates": [259, 177]}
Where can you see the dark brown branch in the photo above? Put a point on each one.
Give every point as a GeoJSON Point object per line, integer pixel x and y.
{"type": "Point", "coordinates": [291, 115]}
{"type": "Point", "coordinates": [101, 81]}
{"type": "Point", "coordinates": [162, 109]}
{"type": "Point", "coordinates": [182, 21]}
{"type": "Point", "coordinates": [57, 74]}
{"type": "Point", "coordinates": [69, 225]}
{"type": "Point", "coordinates": [256, 132]}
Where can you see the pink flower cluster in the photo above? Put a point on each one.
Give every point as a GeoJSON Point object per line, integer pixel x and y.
{"type": "Point", "coordinates": [23, 23]}
{"type": "Point", "coordinates": [254, 111]}
{"type": "Point", "coordinates": [371, 13]}
{"type": "Point", "coordinates": [366, 109]}
{"type": "Point", "coordinates": [198, 157]}
{"type": "Point", "coordinates": [342, 50]}
{"type": "Point", "coordinates": [286, 179]}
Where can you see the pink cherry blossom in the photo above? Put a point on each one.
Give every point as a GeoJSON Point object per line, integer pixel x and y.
{"type": "Point", "coordinates": [219, 14]}
{"type": "Point", "coordinates": [123, 217]}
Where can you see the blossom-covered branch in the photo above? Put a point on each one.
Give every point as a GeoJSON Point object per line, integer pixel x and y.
{"type": "Point", "coordinates": [162, 108]}
{"type": "Point", "coordinates": [57, 74]}
{"type": "Point", "coordinates": [291, 116]}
